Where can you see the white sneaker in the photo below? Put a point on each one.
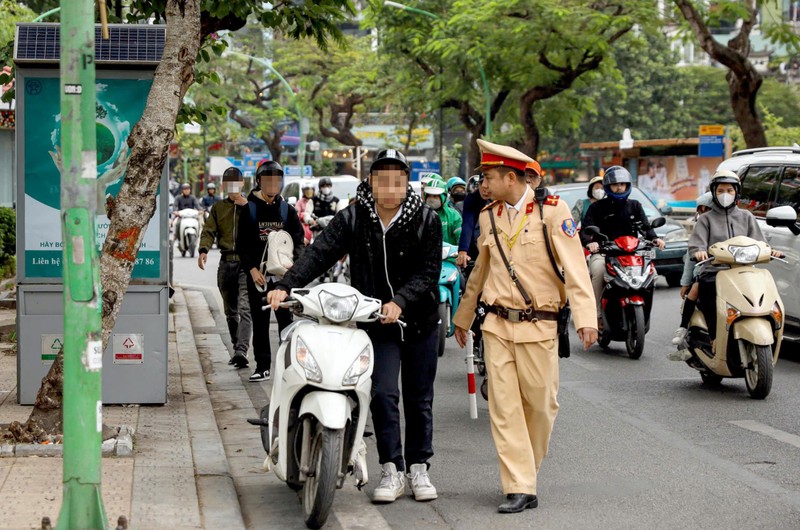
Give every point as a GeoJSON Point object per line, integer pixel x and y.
{"type": "Point", "coordinates": [421, 486]}
{"type": "Point", "coordinates": [392, 485]}
{"type": "Point", "coordinates": [680, 336]}
{"type": "Point", "coordinates": [680, 355]}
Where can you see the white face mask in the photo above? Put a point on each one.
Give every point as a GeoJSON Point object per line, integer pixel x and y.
{"type": "Point", "coordinates": [726, 199]}
{"type": "Point", "coordinates": [326, 190]}
{"type": "Point", "coordinates": [598, 193]}
{"type": "Point", "coordinates": [434, 202]}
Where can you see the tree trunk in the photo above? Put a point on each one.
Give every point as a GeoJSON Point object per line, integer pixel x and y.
{"type": "Point", "coordinates": [530, 146]}
{"type": "Point", "coordinates": [46, 417]}
{"type": "Point", "coordinates": [149, 142]}
{"type": "Point", "coordinates": [743, 92]}
{"type": "Point", "coordinates": [273, 142]}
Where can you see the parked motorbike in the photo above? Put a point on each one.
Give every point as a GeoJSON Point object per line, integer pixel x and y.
{"type": "Point", "coordinates": [750, 317]}
{"type": "Point", "coordinates": [189, 227]}
{"type": "Point", "coordinates": [628, 295]}
{"type": "Point", "coordinates": [449, 293]}
{"type": "Point", "coordinates": [313, 426]}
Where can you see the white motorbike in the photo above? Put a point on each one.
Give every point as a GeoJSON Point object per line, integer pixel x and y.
{"type": "Point", "coordinates": [313, 426]}
{"type": "Point", "coordinates": [189, 230]}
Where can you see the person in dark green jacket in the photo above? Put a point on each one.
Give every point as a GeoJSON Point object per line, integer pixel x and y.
{"type": "Point", "coordinates": [222, 226]}
{"type": "Point", "coordinates": [434, 193]}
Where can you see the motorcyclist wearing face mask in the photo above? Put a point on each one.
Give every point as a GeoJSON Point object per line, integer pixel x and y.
{"type": "Point", "coordinates": [325, 203]}
{"type": "Point", "coordinates": [724, 221]}
{"type": "Point", "coordinates": [616, 215]}
{"type": "Point", "coordinates": [434, 193]}
{"type": "Point", "coordinates": [594, 193]}
{"type": "Point", "coordinates": [305, 209]}
{"type": "Point", "coordinates": [457, 189]}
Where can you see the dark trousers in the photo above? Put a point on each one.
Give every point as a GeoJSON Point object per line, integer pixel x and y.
{"type": "Point", "coordinates": [232, 284]}
{"type": "Point", "coordinates": [415, 359]}
{"type": "Point", "coordinates": [261, 348]}
{"type": "Point", "coordinates": [707, 302]}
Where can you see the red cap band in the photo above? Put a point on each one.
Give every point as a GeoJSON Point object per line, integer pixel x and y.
{"type": "Point", "coordinates": [488, 159]}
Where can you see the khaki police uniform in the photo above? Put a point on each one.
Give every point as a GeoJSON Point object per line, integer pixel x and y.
{"type": "Point", "coordinates": [522, 356]}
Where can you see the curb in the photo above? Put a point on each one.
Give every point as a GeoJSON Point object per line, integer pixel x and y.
{"type": "Point", "coordinates": [121, 446]}
{"type": "Point", "coordinates": [219, 502]}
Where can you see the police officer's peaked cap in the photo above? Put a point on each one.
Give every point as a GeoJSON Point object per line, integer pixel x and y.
{"type": "Point", "coordinates": [232, 174]}
{"type": "Point", "coordinates": [269, 167]}
{"type": "Point", "coordinates": [389, 157]}
{"type": "Point", "coordinates": [496, 155]}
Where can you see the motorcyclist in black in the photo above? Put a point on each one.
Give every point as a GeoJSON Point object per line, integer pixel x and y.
{"type": "Point", "coordinates": [325, 203]}
{"type": "Point", "coordinates": [395, 247]}
{"type": "Point", "coordinates": [616, 215]}
{"type": "Point", "coordinates": [182, 202]}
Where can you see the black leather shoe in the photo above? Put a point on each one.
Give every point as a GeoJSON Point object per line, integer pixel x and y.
{"type": "Point", "coordinates": [518, 502]}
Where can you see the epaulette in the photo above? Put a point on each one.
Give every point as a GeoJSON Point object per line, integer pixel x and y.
{"type": "Point", "coordinates": [551, 200]}
{"type": "Point", "coordinates": [493, 204]}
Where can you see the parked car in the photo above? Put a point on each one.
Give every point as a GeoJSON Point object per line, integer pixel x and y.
{"type": "Point", "coordinates": [669, 262]}
{"type": "Point", "coordinates": [344, 187]}
{"type": "Point", "coordinates": [771, 177]}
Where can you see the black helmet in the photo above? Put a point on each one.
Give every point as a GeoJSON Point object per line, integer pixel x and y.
{"type": "Point", "coordinates": [617, 175]}
{"type": "Point", "coordinates": [389, 156]}
{"type": "Point", "coordinates": [724, 176]}
{"type": "Point", "coordinates": [325, 181]}
{"type": "Point", "coordinates": [473, 183]}
{"type": "Point", "coordinates": [232, 174]}
{"type": "Point", "coordinates": [269, 167]}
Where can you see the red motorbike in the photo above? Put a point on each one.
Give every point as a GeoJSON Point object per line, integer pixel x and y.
{"type": "Point", "coordinates": [630, 277]}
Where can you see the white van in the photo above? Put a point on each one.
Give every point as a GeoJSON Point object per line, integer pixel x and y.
{"type": "Point", "coordinates": [344, 187]}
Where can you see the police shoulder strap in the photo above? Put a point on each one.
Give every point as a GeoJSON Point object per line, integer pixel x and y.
{"type": "Point", "coordinates": [509, 267]}
{"type": "Point", "coordinates": [550, 255]}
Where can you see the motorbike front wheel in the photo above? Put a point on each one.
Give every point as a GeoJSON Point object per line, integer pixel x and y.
{"type": "Point", "coordinates": [444, 325]}
{"type": "Point", "coordinates": [636, 330]}
{"type": "Point", "coordinates": [320, 486]}
{"type": "Point", "coordinates": [191, 243]}
{"type": "Point", "coordinates": [758, 377]}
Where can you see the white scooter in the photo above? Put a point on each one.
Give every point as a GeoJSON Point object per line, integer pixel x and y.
{"type": "Point", "coordinates": [189, 231]}
{"type": "Point", "coordinates": [312, 428]}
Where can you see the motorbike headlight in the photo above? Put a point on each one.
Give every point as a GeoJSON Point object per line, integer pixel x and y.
{"type": "Point", "coordinates": [676, 235]}
{"type": "Point", "coordinates": [307, 361]}
{"type": "Point", "coordinates": [745, 255]}
{"type": "Point", "coordinates": [359, 366]}
{"type": "Point", "coordinates": [337, 308]}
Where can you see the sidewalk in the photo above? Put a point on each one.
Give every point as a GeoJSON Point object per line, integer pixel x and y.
{"type": "Point", "coordinates": [178, 476]}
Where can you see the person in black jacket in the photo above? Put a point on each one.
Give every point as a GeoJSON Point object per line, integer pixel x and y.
{"type": "Point", "coordinates": [395, 247]}
{"type": "Point", "coordinates": [616, 215]}
{"type": "Point", "coordinates": [271, 214]}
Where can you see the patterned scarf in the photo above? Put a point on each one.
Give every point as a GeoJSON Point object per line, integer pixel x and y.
{"type": "Point", "coordinates": [411, 205]}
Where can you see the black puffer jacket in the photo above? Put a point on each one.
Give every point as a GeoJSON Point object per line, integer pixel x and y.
{"type": "Point", "coordinates": [402, 265]}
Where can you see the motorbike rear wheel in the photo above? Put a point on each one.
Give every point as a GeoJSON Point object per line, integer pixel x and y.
{"type": "Point", "coordinates": [191, 238]}
{"type": "Point", "coordinates": [758, 379]}
{"type": "Point", "coordinates": [320, 486]}
{"type": "Point", "coordinates": [636, 331]}
{"type": "Point", "coordinates": [444, 326]}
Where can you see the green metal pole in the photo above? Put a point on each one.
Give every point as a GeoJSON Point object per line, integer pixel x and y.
{"type": "Point", "coordinates": [83, 343]}
{"type": "Point", "coordinates": [485, 83]}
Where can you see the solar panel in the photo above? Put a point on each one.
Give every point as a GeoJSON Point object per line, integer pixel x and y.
{"type": "Point", "coordinates": [129, 44]}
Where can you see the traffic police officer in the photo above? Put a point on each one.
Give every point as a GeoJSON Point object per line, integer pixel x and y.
{"type": "Point", "coordinates": [520, 339]}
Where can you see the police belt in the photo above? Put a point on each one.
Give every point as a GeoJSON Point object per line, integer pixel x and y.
{"type": "Point", "coordinates": [521, 315]}
{"type": "Point", "coordinates": [230, 256]}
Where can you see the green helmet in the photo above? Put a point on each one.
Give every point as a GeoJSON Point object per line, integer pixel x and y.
{"type": "Point", "coordinates": [435, 186]}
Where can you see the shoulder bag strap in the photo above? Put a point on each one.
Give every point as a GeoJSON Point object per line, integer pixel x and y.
{"type": "Point", "coordinates": [509, 267]}
{"type": "Point", "coordinates": [550, 255]}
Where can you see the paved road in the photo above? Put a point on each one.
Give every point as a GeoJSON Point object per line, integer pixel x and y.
{"type": "Point", "coordinates": [637, 444]}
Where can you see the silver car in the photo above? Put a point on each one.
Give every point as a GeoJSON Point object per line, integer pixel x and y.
{"type": "Point", "coordinates": [771, 177]}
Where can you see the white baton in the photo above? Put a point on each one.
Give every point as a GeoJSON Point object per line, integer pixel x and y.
{"type": "Point", "coordinates": [473, 402]}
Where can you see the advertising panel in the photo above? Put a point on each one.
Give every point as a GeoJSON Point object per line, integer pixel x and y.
{"type": "Point", "coordinates": [120, 104]}
{"type": "Point", "coordinates": [676, 180]}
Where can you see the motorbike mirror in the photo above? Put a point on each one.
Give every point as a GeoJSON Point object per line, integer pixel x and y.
{"type": "Point", "coordinates": [783, 216]}
{"type": "Point", "coordinates": [594, 232]}
{"type": "Point", "coordinates": [658, 222]}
